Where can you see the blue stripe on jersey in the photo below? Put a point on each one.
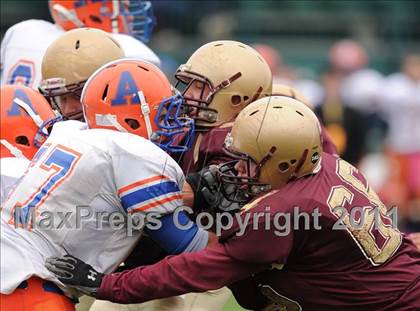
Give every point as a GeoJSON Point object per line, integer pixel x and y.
{"type": "Point", "coordinates": [148, 193]}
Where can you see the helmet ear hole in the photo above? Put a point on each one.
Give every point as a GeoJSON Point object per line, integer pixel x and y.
{"type": "Point", "coordinates": [134, 124]}
{"type": "Point", "coordinates": [283, 167]}
{"type": "Point", "coordinates": [236, 100]}
{"type": "Point", "coordinates": [22, 140]}
{"type": "Point", "coordinates": [254, 112]}
{"type": "Point", "coordinates": [105, 93]}
{"type": "Point", "coordinates": [49, 128]}
{"type": "Point", "coordinates": [95, 19]}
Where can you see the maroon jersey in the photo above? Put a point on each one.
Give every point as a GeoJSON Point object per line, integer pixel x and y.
{"type": "Point", "coordinates": [206, 150]}
{"type": "Point", "coordinates": [366, 265]}
{"type": "Point", "coordinates": [327, 144]}
{"type": "Point", "coordinates": [278, 251]}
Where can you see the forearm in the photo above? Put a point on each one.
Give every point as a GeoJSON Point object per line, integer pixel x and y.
{"type": "Point", "coordinates": [209, 269]}
{"type": "Point", "coordinates": [187, 195]}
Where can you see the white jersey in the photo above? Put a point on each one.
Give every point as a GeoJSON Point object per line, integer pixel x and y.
{"type": "Point", "coordinates": [134, 48]}
{"type": "Point", "coordinates": [22, 50]}
{"type": "Point", "coordinates": [107, 174]}
{"type": "Point", "coordinates": [11, 170]}
{"type": "Point", "coordinates": [25, 43]}
{"type": "Point", "coordinates": [400, 100]}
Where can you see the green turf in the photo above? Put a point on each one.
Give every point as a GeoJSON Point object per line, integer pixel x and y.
{"type": "Point", "coordinates": [232, 305]}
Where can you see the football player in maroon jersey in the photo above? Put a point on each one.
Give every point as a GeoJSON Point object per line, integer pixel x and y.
{"type": "Point", "coordinates": [218, 81]}
{"type": "Point", "coordinates": [325, 240]}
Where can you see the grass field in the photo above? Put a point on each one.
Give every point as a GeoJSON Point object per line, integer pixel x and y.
{"type": "Point", "coordinates": [232, 305]}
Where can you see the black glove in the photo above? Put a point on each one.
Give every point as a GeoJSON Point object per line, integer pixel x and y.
{"type": "Point", "coordinates": [208, 194]}
{"type": "Point", "coordinates": [75, 273]}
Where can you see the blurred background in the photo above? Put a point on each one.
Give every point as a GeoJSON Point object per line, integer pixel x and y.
{"type": "Point", "coordinates": [358, 63]}
{"type": "Point", "coordinates": [302, 31]}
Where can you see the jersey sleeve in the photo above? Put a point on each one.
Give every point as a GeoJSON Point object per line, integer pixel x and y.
{"type": "Point", "coordinates": [241, 254]}
{"type": "Point", "coordinates": [209, 269]}
{"type": "Point", "coordinates": [261, 246]}
{"type": "Point", "coordinates": [147, 179]}
{"type": "Point", "coordinates": [259, 230]}
{"type": "Point", "coordinates": [177, 239]}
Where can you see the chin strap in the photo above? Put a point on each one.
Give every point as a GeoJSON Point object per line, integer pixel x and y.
{"type": "Point", "coordinates": [145, 110]}
{"type": "Point", "coordinates": [13, 150]}
{"type": "Point", "coordinates": [224, 84]}
{"type": "Point", "coordinates": [68, 15]}
{"type": "Point", "coordinates": [36, 118]}
{"type": "Point", "coordinates": [113, 120]}
{"type": "Point", "coordinates": [109, 120]}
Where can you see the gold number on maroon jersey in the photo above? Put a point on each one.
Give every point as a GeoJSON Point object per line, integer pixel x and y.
{"type": "Point", "coordinates": [340, 195]}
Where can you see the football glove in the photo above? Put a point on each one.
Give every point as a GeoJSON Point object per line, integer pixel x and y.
{"type": "Point", "coordinates": [75, 273]}
{"type": "Point", "coordinates": [208, 193]}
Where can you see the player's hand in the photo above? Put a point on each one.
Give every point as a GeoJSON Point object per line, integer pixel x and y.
{"type": "Point", "coordinates": [415, 238]}
{"type": "Point", "coordinates": [73, 272]}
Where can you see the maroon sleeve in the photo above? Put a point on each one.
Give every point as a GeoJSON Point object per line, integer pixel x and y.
{"type": "Point", "coordinates": [223, 264]}
{"type": "Point", "coordinates": [260, 242]}
{"type": "Point", "coordinates": [209, 269]}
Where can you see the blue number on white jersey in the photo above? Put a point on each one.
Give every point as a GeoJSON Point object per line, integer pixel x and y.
{"type": "Point", "coordinates": [60, 162]}
{"type": "Point", "coordinates": [22, 73]}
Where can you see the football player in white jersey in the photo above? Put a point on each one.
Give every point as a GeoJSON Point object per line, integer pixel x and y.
{"type": "Point", "coordinates": [25, 43]}
{"type": "Point", "coordinates": [22, 49]}
{"type": "Point", "coordinates": [26, 118]}
{"type": "Point", "coordinates": [93, 192]}
{"type": "Point", "coordinates": [130, 22]}
{"type": "Point", "coordinates": [69, 61]}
